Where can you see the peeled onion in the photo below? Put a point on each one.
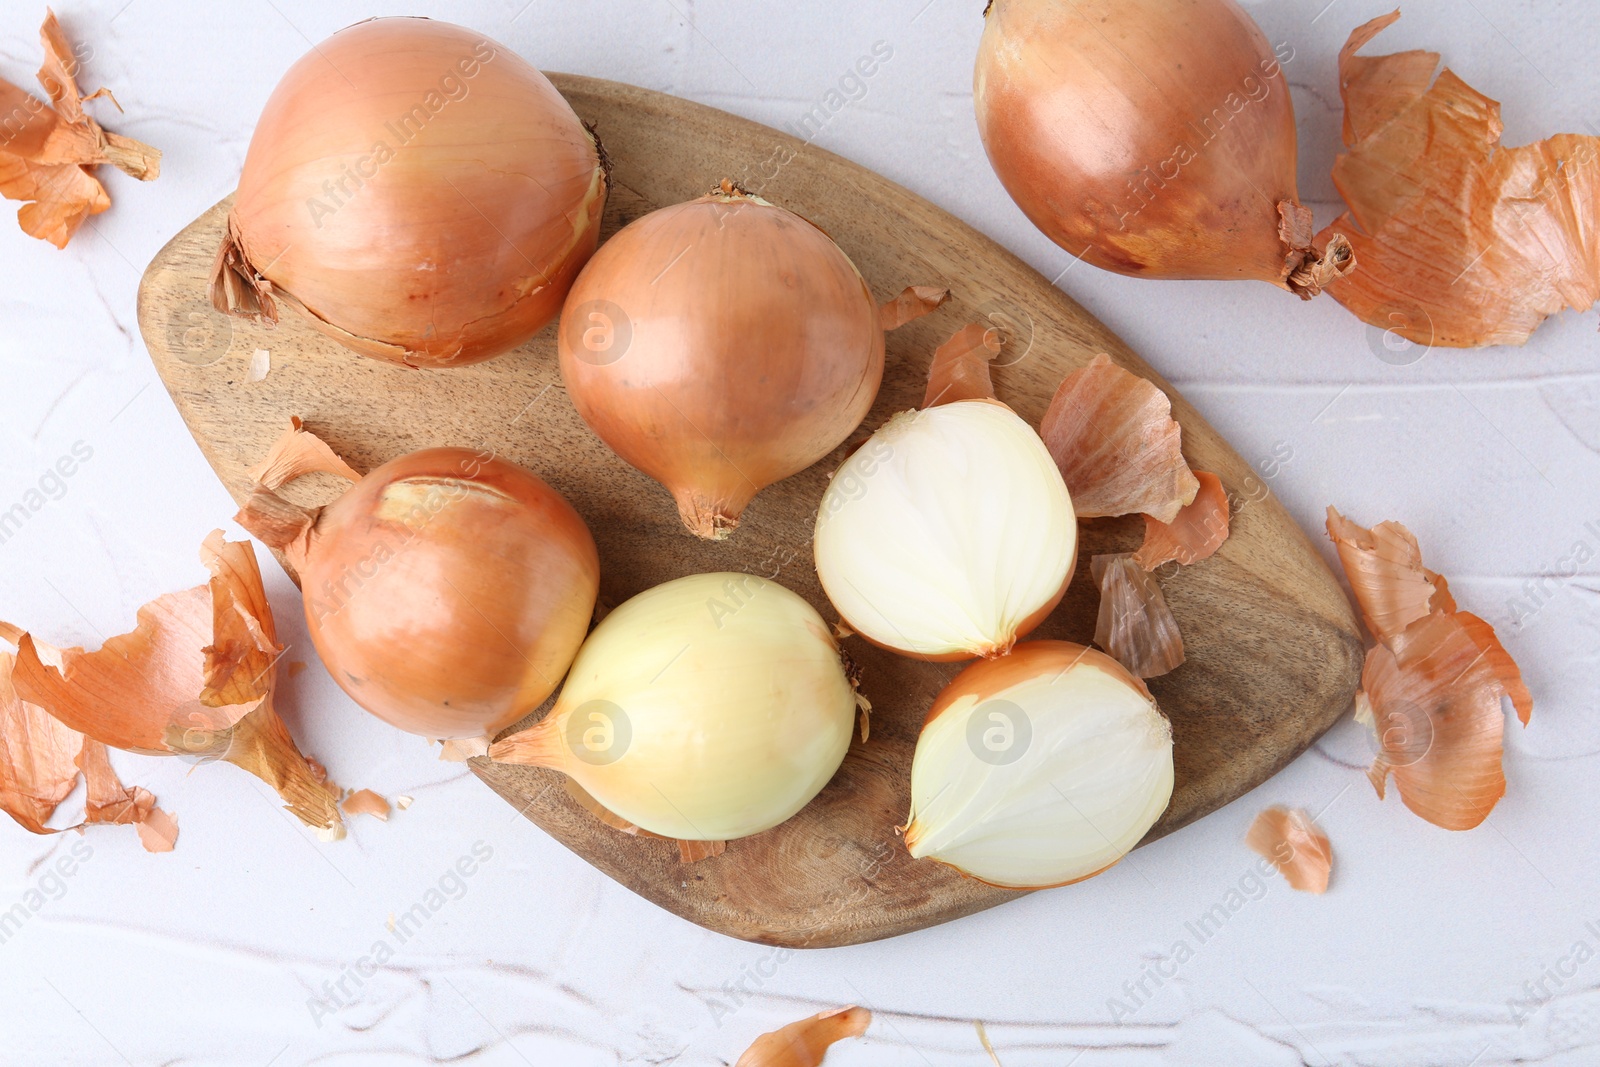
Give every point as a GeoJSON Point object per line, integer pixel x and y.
{"type": "Point", "coordinates": [948, 534]}
{"type": "Point", "coordinates": [719, 346]}
{"type": "Point", "coordinates": [419, 192]}
{"type": "Point", "coordinates": [708, 708]}
{"type": "Point", "coordinates": [1151, 138]}
{"type": "Point", "coordinates": [446, 591]}
{"type": "Point", "coordinates": [1039, 769]}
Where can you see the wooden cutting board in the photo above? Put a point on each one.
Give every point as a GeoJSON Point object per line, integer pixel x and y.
{"type": "Point", "coordinates": [1273, 649]}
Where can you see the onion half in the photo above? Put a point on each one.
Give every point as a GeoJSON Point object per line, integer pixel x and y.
{"type": "Point", "coordinates": [1039, 769]}
{"type": "Point", "coordinates": [1151, 138]}
{"type": "Point", "coordinates": [418, 192]}
{"type": "Point", "coordinates": [948, 534]}
{"type": "Point", "coordinates": [708, 708]}
{"type": "Point", "coordinates": [719, 346]}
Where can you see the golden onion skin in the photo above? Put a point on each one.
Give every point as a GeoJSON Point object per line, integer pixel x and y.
{"type": "Point", "coordinates": [1153, 138]}
{"type": "Point", "coordinates": [719, 346]}
{"type": "Point", "coordinates": [423, 194]}
{"type": "Point", "coordinates": [448, 591]}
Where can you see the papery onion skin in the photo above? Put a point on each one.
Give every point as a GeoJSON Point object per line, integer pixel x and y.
{"type": "Point", "coordinates": [1066, 694]}
{"type": "Point", "coordinates": [421, 192]}
{"type": "Point", "coordinates": [884, 541]}
{"type": "Point", "coordinates": [719, 346]}
{"type": "Point", "coordinates": [708, 708]}
{"type": "Point", "coordinates": [448, 591]}
{"type": "Point", "coordinates": [1150, 137]}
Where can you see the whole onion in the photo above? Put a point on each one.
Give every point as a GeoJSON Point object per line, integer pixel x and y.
{"type": "Point", "coordinates": [720, 346]}
{"type": "Point", "coordinates": [1151, 137]}
{"type": "Point", "coordinates": [447, 591]}
{"type": "Point", "coordinates": [419, 192]}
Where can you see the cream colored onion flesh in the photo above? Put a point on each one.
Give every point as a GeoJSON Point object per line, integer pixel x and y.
{"type": "Point", "coordinates": [948, 534]}
{"type": "Point", "coordinates": [708, 708]}
{"type": "Point", "coordinates": [1040, 768]}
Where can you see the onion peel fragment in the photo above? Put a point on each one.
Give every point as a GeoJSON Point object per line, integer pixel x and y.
{"type": "Point", "coordinates": [1112, 434]}
{"type": "Point", "coordinates": [296, 453]}
{"type": "Point", "coordinates": [960, 367]}
{"type": "Point", "coordinates": [1135, 625]}
{"type": "Point", "coordinates": [41, 760]}
{"type": "Point", "coordinates": [366, 802]}
{"type": "Point", "coordinates": [1463, 242]}
{"type": "Point", "coordinates": [913, 303]}
{"type": "Point", "coordinates": [1294, 845]}
{"type": "Point", "coordinates": [1384, 566]}
{"type": "Point", "coordinates": [1195, 534]}
{"type": "Point", "coordinates": [1431, 690]}
{"type": "Point", "coordinates": [194, 678]}
{"type": "Point", "coordinates": [45, 161]}
{"type": "Point", "coordinates": [1434, 703]}
{"type": "Point", "coordinates": [805, 1043]}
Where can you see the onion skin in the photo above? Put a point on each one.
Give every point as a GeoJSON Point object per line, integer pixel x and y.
{"type": "Point", "coordinates": [448, 592]}
{"type": "Point", "coordinates": [754, 348]}
{"type": "Point", "coordinates": [462, 243]}
{"type": "Point", "coordinates": [1154, 138]}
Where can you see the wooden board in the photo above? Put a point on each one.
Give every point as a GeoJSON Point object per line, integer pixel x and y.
{"type": "Point", "coordinates": [1273, 650]}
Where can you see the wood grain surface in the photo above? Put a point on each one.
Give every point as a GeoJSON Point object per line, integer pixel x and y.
{"type": "Point", "coordinates": [1273, 650]}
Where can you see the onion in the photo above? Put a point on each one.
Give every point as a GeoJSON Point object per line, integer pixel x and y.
{"type": "Point", "coordinates": [1150, 138]}
{"type": "Point", "coordinates": [447, 591]}
{"type": "Point", "coordinates": [948, 534]}
{"type": "Point", "coordinates": [719, 346]}
{"type": "Point", "coordinates": [708, 708]}
{"type": "Point", "coordinates": [419, 192]}
{"type": "Point", "coordinates": [1038, 769]}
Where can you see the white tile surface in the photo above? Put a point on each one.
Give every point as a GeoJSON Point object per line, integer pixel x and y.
{"type": "Point", "coordinates": [210, 954]}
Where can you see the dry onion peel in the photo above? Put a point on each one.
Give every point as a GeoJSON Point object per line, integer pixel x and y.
{"type": "Point", "coordinates": [719, 346]}
{"type": "Point", "coordinates": [1150, 139]}
{"type": "Point", "coordinates": [1119, 449]}
{"type": "Point", "coordinates": [913, 302]}
{"type": "Point", "coordinates": [1384, 565]}
{"type": "Point", "coordinates": [960, 368]}
{"type": "Point", "coordinates": [1462, 240]}
{"type": "Point", "coordinates": [194, 678]}
{"type": "Point", "coordinates": [447, 591]}
{"type": "Point", "coordinates": [42, 759]}
{"type": "Point", "coordinates": [948, 534]}
{"type": "Point", "coordinates": [805, 1043]}
{"type": "Point", "coordinates": [1195, 534]}
{"type": "Point", "coordinates": [296, 453]}
{"type": "Point", "coordinates": [1431, 690]}
{"type": "Point", "coordinates": [46, 153]}
{"type": "Point", "coordinates": [708, 708]}
{"type": "Point", "coordinates": [1299, 850]}
{"type": "Point", "coordinates": [1040, 768]}
{"type": "Point", "coordinates": [418, 192]}
{"type": "Point", "coordinates": [366, 802]}
{"type": "Point", "coordinates": [1135, 625]}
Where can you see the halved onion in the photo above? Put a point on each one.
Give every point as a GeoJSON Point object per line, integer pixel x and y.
{"type": "Point", "coordinates": [1039, 769]}
{"type": "Point", "coordinates": [948, 534]}
{"type": "Point", "coordinates": [708, 708]}
{"type": "Point", "coordinates": [420, 193]}
{"type": "Point", "coordinates": [719, 346]}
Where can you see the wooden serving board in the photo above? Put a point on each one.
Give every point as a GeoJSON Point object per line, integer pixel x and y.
{"type": "Point", "coordinates": [1273, 649]}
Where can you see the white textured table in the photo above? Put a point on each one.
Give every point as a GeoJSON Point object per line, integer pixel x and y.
{"type": "Point", "coordinates": [211, 954]}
